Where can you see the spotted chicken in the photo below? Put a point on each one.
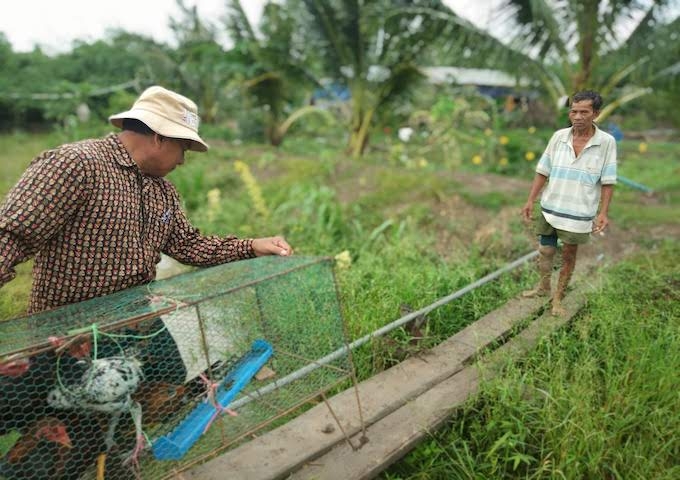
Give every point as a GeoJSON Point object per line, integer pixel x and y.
{"type": "Point", "coordinates": [106, 386]}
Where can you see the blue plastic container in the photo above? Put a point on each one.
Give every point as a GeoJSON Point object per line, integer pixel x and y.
{"type": "Point", "coordinates": [175, 445]}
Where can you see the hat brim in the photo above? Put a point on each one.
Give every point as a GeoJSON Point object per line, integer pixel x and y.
{"type": "Point", "coordinates": [162, 126]}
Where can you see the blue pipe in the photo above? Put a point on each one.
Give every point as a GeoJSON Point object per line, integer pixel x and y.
{"type": "Point", "coordinates": [631, 183]}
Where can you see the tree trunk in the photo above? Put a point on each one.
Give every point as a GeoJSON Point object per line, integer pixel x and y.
{"type": "Point", "coordinates": [271, 130]}
{"type": "Point", "coordinates": [359, 137]}
{"type": "Point", "coordinates": [586, 46]}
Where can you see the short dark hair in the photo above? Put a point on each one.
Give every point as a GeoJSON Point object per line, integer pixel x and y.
{"type": "Point", "coordinates": [586, 95]}
{"type": "Point", "coordinates": [137, 126]}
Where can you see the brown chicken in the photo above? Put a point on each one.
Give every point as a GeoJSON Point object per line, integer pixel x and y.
{"type": "Point", "coordinates": [159, 400]}
{"type": "Point", "coordinates": [39, 454]}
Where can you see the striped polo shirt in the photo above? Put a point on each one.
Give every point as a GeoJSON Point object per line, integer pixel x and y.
{"type": "Point", "coordinates": [572, 195]}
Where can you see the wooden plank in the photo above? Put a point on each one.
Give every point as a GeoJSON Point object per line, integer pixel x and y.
{"type": "Point", "coordinates": [283, 450]}
{"type": "Point", "coordinates": [396, 434]}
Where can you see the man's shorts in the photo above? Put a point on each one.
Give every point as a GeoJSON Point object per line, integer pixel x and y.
{"type": "Point", "coordinates": [547, 230]}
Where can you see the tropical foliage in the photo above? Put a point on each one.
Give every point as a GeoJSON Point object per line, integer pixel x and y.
{"type": "Point", "coordinates": [374, 48]}
{"type": "Point", "coordinates": [623, 49]}
{"type": "Point", "coordinates": [276, 66]}
{"type": "Point", "coordinates": [266, 75]}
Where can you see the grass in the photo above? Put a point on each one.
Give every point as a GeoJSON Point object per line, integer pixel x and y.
{"type": "Point", "coordinates": [565, 411]}
{"type": "Point", "coordinates": [597, 400]}
{"type": "Point", "coordinates": [659, 169]}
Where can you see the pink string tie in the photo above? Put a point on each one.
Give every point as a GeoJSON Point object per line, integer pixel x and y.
{"type": "Point", "coordinates": [211, 390]}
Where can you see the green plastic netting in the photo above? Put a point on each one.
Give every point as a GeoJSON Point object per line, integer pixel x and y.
{"type": "Point", "coordinates": [129, 385]}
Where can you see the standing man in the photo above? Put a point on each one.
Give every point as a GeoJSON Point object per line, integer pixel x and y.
{"type": "Point", "coordinates": [579, 167]}
{"type": "Point", "coordinates": [97, 214]}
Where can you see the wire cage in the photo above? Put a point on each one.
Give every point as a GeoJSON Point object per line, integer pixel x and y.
{"type": "Point", "coordinates": [147, 382]}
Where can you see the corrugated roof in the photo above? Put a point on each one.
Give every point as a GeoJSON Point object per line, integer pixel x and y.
{"type": "Point", "coordinates": [472, 76]}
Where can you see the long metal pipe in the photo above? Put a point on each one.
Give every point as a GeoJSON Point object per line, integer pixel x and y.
{"type": "Point", "coordinates": [344, 350]}
{"type": "Point", "coordinates": [634, 184]}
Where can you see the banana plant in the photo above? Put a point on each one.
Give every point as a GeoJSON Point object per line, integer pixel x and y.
{"type": "Point", "coordinates": [618, 47]}
{"type": "Point", "coordinates": [277, 73]}
{"type": "Point", "coordinates": [372, 46]}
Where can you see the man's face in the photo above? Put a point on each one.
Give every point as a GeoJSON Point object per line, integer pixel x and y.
{"type": "Point", "coordinates": [168, 154]}
{"type": "Point", "coordinates": [582, 115]}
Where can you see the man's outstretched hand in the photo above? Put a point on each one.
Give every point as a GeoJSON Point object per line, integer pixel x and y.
{"type": "Point", "coordinates": [272, 246]}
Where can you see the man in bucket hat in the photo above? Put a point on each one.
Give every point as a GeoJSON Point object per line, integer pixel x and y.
{"type": "Point", "coordinates": [97, 214]}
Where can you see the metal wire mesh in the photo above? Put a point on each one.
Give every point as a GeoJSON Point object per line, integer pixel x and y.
{"type": "Point", "coordinates": [134, 384]}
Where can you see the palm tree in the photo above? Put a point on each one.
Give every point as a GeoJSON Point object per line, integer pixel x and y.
{"type": "Point", "coordinates": [622, 48]}
{"type": "Point", "coordinates": [373, 47]}
{"type": "Point", "coordinates": [275, 65]}
{"type": "Point", "coordinates": [199, 65]}
{"type": "Point", "coordinates": [376, 48]}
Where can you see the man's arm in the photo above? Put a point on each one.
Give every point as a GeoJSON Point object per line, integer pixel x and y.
{"type": "Point", "coordinates": [543, 170]}
{"type": "Point", "coordinates": [187, 245]}
{"type": "Point", "coordinates": [536, 187]}
{"type": "Point", "coordinates": [602, 219]}
{"type": "Point", "coordinates": [46, 196]}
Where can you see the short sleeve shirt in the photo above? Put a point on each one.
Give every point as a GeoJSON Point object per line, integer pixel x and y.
{"type": "Point", "coordinates": [571, 198]}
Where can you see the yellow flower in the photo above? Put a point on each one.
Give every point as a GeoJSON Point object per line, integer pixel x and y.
{"type": "Point", "coordinates": [343, 259]}
{"type": "Point", "coordinates": [422, 163]}
{"type": "Point", "coordinates": [503, 161]}
{"type": "Point", "coordinates": [213, 203]}
{"type": "Point", "coordinates": [642, 148]}
{"type": "Point", "coordinates": [503, 140]}
{"type": "Point", "coordinates": [477, 159]}
{"type": "Point", "coordinates": [530, 156]}
{"type": "Point", "coordinates": [253, 189]}
{"type": "Point", "coordinates": [214, 197]}
{"type": "Point", "coordinates": [488, 132]}
{"type": "Point", "coordinates": [531, 130]}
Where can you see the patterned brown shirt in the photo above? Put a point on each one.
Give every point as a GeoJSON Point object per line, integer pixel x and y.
{"type": "Point", "coordinates": [97, 225]}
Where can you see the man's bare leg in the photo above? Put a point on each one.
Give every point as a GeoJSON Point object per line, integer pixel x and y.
{"type": "Point", "coordinates": [546, 255]}
{"type": "Point", "coordinates": [568, 263]}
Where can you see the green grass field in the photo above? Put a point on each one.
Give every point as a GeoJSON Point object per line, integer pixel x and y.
{"type": "Point", "coordinates": [599, 400]}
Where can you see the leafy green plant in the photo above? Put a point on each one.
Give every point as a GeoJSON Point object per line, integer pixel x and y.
{"type": "Point", "coordinates": [276, 69]}
{"type": "Point", "coordinates": [621, 49]}
{"type": "Point", "coordinates": [373, 48]}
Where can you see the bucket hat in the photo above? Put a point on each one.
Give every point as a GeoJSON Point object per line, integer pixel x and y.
{"type": "Point", "coordinates": [166, 113]}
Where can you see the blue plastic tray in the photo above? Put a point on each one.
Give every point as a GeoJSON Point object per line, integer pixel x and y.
{"type": "Point", "coordinates": [175, 445]}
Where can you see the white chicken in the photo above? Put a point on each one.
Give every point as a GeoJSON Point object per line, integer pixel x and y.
{"type": "Point", "coordinates": [106, 386]}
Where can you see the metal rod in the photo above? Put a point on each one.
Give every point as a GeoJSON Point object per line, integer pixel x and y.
{"type": "Point", "coordinates": [352, 367]}
{"type": "Point", "coordinates": [633, 184]}
{"type": "Point", "coordinates": [381, 331]}
{"type": "Point", "coordinates": [200, 459]}
{"type": "Point", "coordinates": [337, 421]}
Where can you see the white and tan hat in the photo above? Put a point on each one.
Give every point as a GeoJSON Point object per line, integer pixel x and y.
{"type": "Point", "coordinates": [166, 113]}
